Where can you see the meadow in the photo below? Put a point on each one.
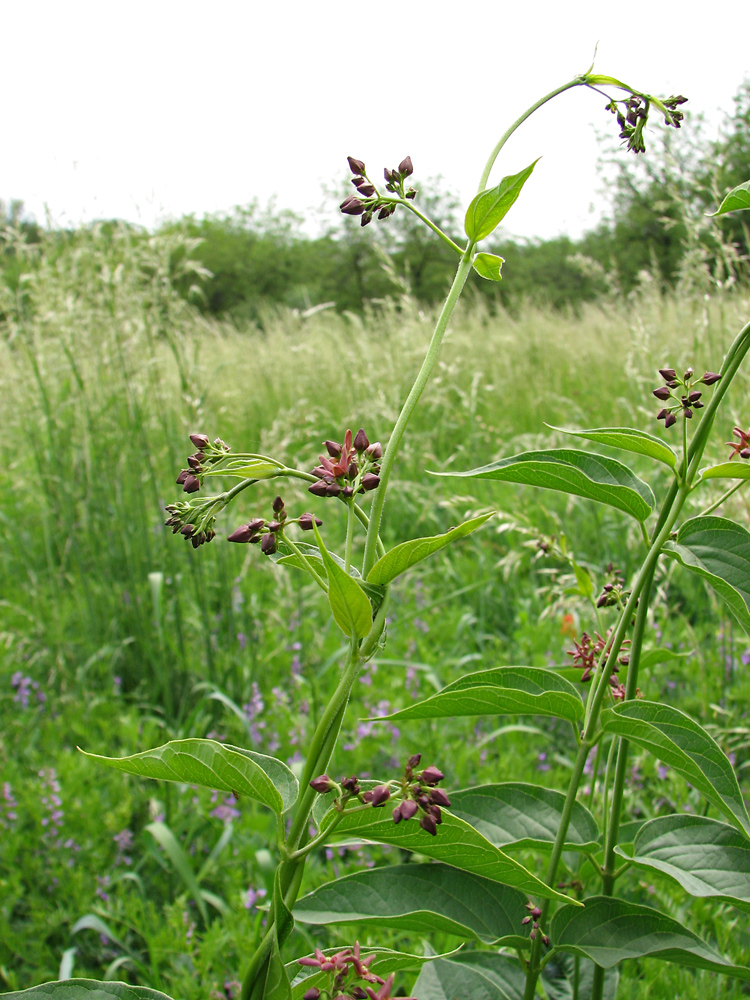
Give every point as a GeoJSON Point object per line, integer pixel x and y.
{"type": "Point", "coordinates": [115, 635]}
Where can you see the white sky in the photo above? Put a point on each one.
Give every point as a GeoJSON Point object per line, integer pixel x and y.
{"type": "Point", "coordinates": [151, 110]}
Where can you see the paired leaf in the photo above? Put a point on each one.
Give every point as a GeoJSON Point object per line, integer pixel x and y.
{"type": "Point", "coordinates": [349, 604]}
{"type": "Point", "coordinates": [387, 961]}
{"type": "Point", "coordinates": [501, 691]}
{"type": "Point", "coordinates": [626, 439]}
{"type": "Point", "coordinates": [705, 857]}
{"type": "Point", "coordinates": [566, 470]}
{"type": "Point", "coordinates": [467, 979]}
{"type": "Point", "coordinates": [517, 815]}
{"type": "Point", "coordinates": [213, 765]}
{"type": "Point", "coordinates": [489, 208]}
{"type": "Point", "coordinates": [678, 741]}
{"type": "Point", "coordinates": [737, 199]}
{"type": "Point", "coordinates": [456, 844]}
{"type": "Point", "coordinates": [609, 930]}
{"type": "Point", "coordinates": [86, 989]}
{"type": "Point", "coordinates": [718, 550]}
{"type": "Point", "coordinates": [489, 266]}
{"type": "Point", "coordinates": [285, 557]}
{"type": "Point", "coordinates": [407, 554]}
{"type": "Point", "coordinates": [422, 898]}
{"type": "Point", "coordinates": [727, 470]}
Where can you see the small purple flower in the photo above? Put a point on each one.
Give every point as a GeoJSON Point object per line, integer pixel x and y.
{"type": "Point", "coordinates": [542, 764]}
{"type": "Point", "coordinates": [242, 639]}
{"type": "Point", "coordinates": [124, 841]}
{"type": "Point", "coordinates": [226, 811]}
{"type": "Point", "coordinates": [251, 897]}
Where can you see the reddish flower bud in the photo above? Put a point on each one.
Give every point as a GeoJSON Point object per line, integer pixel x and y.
{"type": "Point", "coordinates": [388, 175]}
{"type": "Point", "coordinates": [710, 377]}
{"type": "Point", "coordinates": [199, 440]}
{"type": "Point", "coordinates": [405, 167]}
{"type": "Point", "coordinates": [187, 530]}
{"type": "Point", "coordinates": [370, 481]}
{"type": "Point", "coordinates": [374, 451]}
{"type": "Point", "coordinates": [356, 166]}
{"type": "Point", "coordinates": [352, 470]}
{"type": "Point", "coordinates": [668, 374]}
{"type": "Point", "coordinates": [661, 414]}
{"type": "Point", "coordinates": [366, 219]}
{"type": "Point", "coordinates": [256, 524]}
{"type": "Point", "coordinates": [319, 489]}
{"type": "Point", "coordinates": [361, 441]}
{"type": "Point", "coordinates": [670, 419]}
{"type": "Point", "coordinates": [662, 392]}
{"type": "Point", "coordinates": [347, 491]}
{"type": "Point", "coordinates": [333, 449]}
{"type": "Point", "coordinates": [688, 374]}
{"type": "Point", "coordinates": [439, 798]}
{"type": "Point", "coordinates": [194, 462]}
{"type": "Point", "coordinates": [332, 489]}
{"type": "Point", "coordinates": [322, 784]}
{"type": "Point", "coordinates": [312, 994]}
{"type": "Point", "coordinates": [351, 785]}
{"type": "Point", "coordinates": [397, 815]}
{"type": "Point", "coordinates": [431, 775]}
{"type": "Point", "coordinates": [745, 453]}
{"type": "Point", "coordinates": [268, 544]}
{"type": "Point", "coordinates": [414, 761]}
{"type": "Point", "coordinates": [352, 206]}
{"type": "Point", "coordinates": [191, 484]}
{"type": "Point", "coordinates": [242, 534]}
{"type": "Point", "coordinates": [367, 190]}
{"type": "Point", "coordinates": [380, 795]}
{"type": "Point", "coordinates": [278, 505]}
{"type": "Point", "coordinates": [408, 808]}
{"type": "Point", "coordinates": [428, 823]}
{"type": "Point", "coordinates": [183, 476]}
{"type": "Point", "coordinates": [306, 521]}
{"type": "Point", "coordinates": [274, 526]}
{"type": "Point", "coordinates": [694, 396]}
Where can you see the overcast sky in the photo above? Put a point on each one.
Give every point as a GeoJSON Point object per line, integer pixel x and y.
{"type": "Point", "coordinates": [150, 110]}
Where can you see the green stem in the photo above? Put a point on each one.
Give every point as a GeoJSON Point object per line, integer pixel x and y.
{"type": "Point", "coordinates": [428, 222]}
{"type": "Point", "coordinates": [723, 497]}
{"type": "Point", "coordinates": [389, 456]}
{"type": "Point", "coordinates": [349, 536]}
{"type": "Point", "coordinates": [308, 565]}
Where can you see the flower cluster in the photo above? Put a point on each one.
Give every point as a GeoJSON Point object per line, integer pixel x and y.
{"type": "Point", "coordinates": [588, 653]}
{"type": "Point", "coordinates": [24, 686]}
{"type": "Point", "coordinates": [533, 918]}
{"type": "Point", "coordinates": [349, 468]}
{"type": "Point", "coordinates": [207, 453]}
{"type": "Point", "coordinates": [685, 398]}
{"type": "Point", "coordinates": [348, 968]}
{"type": "Point", "coordinates": [741, 447]}
{"type": "Point", "coordinates": [612, 592]}
{"type": "Point", "coordinates": [368, 199]}
{"type": "Point", "coordinates": [634, 115]}
{"type": "Point", "coordinates": [267, 533]}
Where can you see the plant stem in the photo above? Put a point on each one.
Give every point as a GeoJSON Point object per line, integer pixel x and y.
{"type": "Point", "coordinates": [428, 222]}
{"type": "Point", "coordinates": [349, 535]}
{"type": "Point", "coordinates": [723, 497]}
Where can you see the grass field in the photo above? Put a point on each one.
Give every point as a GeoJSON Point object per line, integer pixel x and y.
{"type": "Point", "coordinates": [116, 636]}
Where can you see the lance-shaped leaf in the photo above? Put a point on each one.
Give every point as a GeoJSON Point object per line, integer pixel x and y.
{"type": "Point", "coordinates": [385, 962]}
{"type": "Point", "coordinates": [407, 554]}
{"type": "Point", "coordinates": [718, 550]}
{"type": "Point", "coordinates": [736, 199]}
{"type": "Point", "coordinates": [566, 470]}
{"type": "Point", "coordinates": [501, 691]}
{"type": "Point", "coordinates": [456, 843]}
{"type": "Point", "coordinates": [465, 979]}
{"type": "Point", "coordinates": [490, 207]}
{"type": "Point", "coordinates": [626, 439]}
{"type": "Point", "coordinates": [351, 609]}
{"type": "Point", "coordinates": [86, 989]}
{"type": "Point", "coordinates": [488, 266]}
{"type": "Point", "coordinates": [171, 847]}
{"type": "Point", "coordinates": [421, 898]}
{"type": "Point", "coordinates": [705, 857]}
{"type": "Point", "coordinates": [517, 815]}
{"type": "Point", "coordinates": [213, 765]}
{"type": "Point", "coordinates": [285, 557]}
{"type": "Point", "coordinates": [249, 467]}
{"type": "Point", "coordinates": [727, 470]}
{"type": "Point", "coordinates": [277, 985]}
{"type": "Point", "coordinates": [677, 740]}
{"type": "Point", "coordinates": [608, 930]}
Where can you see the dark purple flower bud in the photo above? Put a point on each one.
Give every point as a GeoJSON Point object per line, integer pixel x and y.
{"type": "Point", "coordinates": [661, 414]}
{"type": "Point", "coordinates": [536, 912]}
{"type": "Point", "coordinates": [745, 453]}
{"type": "Point", "coordinates": [333, 449]}
{"type": "Point", "coordinates": [268, 544]}
{"type": "Point", "coordinates": [352, 206]}
{"type": "Point", "coordinates": [242, 534]}
{"type": "Point", "coordinates": [347, 491]}
{"type": "Point", "coordinates": [428, 823]}
{"type": "Point", "coordinates": [274, 526]}
{"type": "Point", "coordinates": [370, 481]}
{"type": "Point", "coordinates": [313, 994]}
{"type": "Point", "coordinates": [384, 212]}
{"type": "Point", "coordinates": [183, 476]}
{"type": "Point", "coordinates": [320, 470]}
{"type": "Point", "coordinates": [256, 524]}
{"type": "Point", "coordinates": [668, 374]}
{"type": "Point", "coordinates": [319, 489]}
{"type": "Point", "coordinates": [194, 462]}
{"type": "Point", "coordinates": [526, 920]}
{"type": "Point", "coordinates": [687, 413]}
{"type": "Point", "coordinates": [367, 190]}
{"type": "Point", "coordinates": [361, 441]}
{"type": "Point", "coordinates": [388, 175]}
{"type": "Point", "coordinates": [688, 374]}
{"type": "Point", "coordinates": [662, 392]}
{"type": "Point", "coordinates": [187, 530]}
{"type": "Point", "coordinates": [397, 815]}
{"type": "Point", "coordinates": [358, 993]}
{"type": "Point", "coordinates": [191, 484]}
{"type": "Point", "coordinates": [352, 470]}
{"type": "Point", "coordinates": [439, 798]}
{"type": "Point", "coordinates": [405, 167]}
{"type": "Point", "coordinates": [694, 396]}
{"type": "Point", "coordinates": [278, 505]}
{"type": "Point", "coordinates": [414, 761]}
{"type": "Point", "coordinates": [697, 406]}
{"type": "Point", "coordinates": [670, 419]}
{"type": "Point", "coordinates": [710, 377]}
{"type": "Point", "coordinates": [306, 521]}
{"type": "Point", "coordinates": [374, 451]}
{"type": "Point", "coordinates": [545, 940]}
{"type": "Point", "coordinates": [366, 219]}
{"type": "Point", "coordinates": [332, 489]}
{"type": "Point", "coordinates": [431, 775]}
{"type": "Point", "coordinates": [380, 795]}
{"type": "Point", "coordinates": [351, 785]}
{"type": "Point", "coordinates": [356, 166]}
{"type": "Point", "coordinates": [199, 440]}
{"type": "Point", "coordinates": [408, 808]}
{"type": "Point", "coordinates": [602, 601]}
{"type": "Point", "coordinates": [322, 784]}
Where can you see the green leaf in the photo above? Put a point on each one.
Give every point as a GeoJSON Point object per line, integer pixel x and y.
{"type": "Point", "coordinates": [387, 961]}
{"type": "Point", "coordinates": [277, 986]}
{"type": "Point", "coordinates": [608, 931]}
{"type": "Point", "coordinates": [423, 898]}
{"type": "Point", "coordinates": [558, 977]}
{"type": "Point", "coordinates": [407, 554]}
{"type": "Point", "coordinates": [727, 470]}
{"type": "Point", "coordinates": [518, 815]}
{"type": "Point", "coordinates": [164, 836]}
{"type": "Point", "coordinates": [718, 550]}
{"type": "Point", "coordinates": [678, 741]}
{"type": "Point", "coordinates": [285, 557]}
{"type": "Point", "coordinates": [457, 843]}
{"type": "Point", "coordinates": [501, 691]}
{"type": "Point", "coordinates": [626, 439]}
{"type": "Point", "coordinates": [249, 467]}
{"type": "Point", "coordinates": [661, 655]}
{"type": "Point", "coordinates": [737, 199]}
{"type": "Point", "coordinates": [213, 765]}
{"type": "Point", "coordinates": [446, 979]}
{"type": "Point", "coordinates": [489, 266]}
{"type": "Point", "coordinates": [86, 989]}
{"type": "Point", "coordinates": [349, 604]}
{"type": "Point", "coordinates": [581, 473]}
{"type": "Point", "coordinates": [490, 207]}
{"type": "Point", "coordinates": [705, 857]}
